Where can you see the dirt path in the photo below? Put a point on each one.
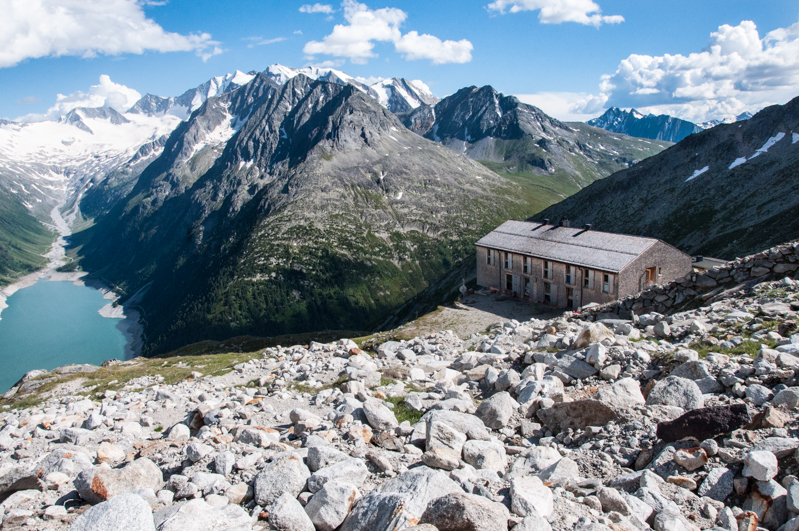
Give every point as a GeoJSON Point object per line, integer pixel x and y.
{"type": "Point", "coordinates": [475, 314]}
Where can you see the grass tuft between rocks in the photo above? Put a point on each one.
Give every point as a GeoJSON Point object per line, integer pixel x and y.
{"type": "Point", "coordinates": [403, 412]}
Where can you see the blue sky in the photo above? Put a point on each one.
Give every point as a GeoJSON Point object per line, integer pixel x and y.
{"type": "Point", "coordinates": [553, 53]}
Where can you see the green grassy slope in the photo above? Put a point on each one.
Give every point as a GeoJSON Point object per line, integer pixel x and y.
{"type": "Point", "coordinates": [23, 240]}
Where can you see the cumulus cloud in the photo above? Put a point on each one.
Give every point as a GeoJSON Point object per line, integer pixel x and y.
{"type": "Point", "coordinates": [51, 28]}
{"type": "Point", "coordinates": [584, 12]}
{"type": "Point", "coordinates": [105, 94]}
{"type": "Point", "coordinates": [317, 8]}
{"type": "Point", "coordinates": [356, 39]}
{"type": "Point", "coordinates": [415, 46]}
{"type": "Point", "coordinates": [737, 71]}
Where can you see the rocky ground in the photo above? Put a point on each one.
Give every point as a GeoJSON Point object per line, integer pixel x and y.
{"type": "Point", "coordinates": [678, 422]}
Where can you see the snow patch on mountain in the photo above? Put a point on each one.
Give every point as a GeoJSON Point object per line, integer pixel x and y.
{"type": "Point", "coordinates": [769, 143]}
{"type": "Point", "coordinates": [697, 173]}
{"type": "Point", "coordinates": [737, 162]}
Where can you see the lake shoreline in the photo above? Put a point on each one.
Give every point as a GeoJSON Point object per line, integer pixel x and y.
{"type": "Point", "coordinates": [130, 318]}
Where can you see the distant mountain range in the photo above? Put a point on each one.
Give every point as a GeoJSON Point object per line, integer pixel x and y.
{"type": "Point", "coordinates": [662, 127]}
{"type": "Point", "coordinates": [295, 199]}
{"type": "Point", "coordinates": [726, 191]}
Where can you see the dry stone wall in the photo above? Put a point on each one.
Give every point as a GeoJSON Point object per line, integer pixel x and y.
{"type": "Point", "coordinates": [696, 289]}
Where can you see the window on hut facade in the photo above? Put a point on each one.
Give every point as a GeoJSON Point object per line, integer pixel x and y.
{"type": "Point", "coordinates": [508, 261]}
{"type": "Point", "coordinates": [547, 269]}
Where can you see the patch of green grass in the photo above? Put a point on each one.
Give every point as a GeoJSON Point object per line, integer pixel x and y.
{"type": "Point", "coordinates": [747, 348]}
{"type": "Point", "coordinates": [115, 377]}
{"type": "Point", "coordinates": [158, 429]}
{"type": "Point", "coordinates": [403, 412]}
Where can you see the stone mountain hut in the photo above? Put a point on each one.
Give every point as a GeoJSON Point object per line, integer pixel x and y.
{"type": "Point", "coordinates": [568, 267]}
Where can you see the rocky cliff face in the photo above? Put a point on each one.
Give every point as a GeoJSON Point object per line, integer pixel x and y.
{"type": "Point", "coordinates": [513, 137]}
{"type": "Point", "coordinates": [275, 209]}
{"type": "Point", "coordinates": [724, 192]}
{"type": "Point", "coordinates": [634, 123]}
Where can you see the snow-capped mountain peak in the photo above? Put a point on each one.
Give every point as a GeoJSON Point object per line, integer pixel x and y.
{"type": "Point", "coordinates": [395, 94]}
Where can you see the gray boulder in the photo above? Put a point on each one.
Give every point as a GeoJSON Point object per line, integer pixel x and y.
{"type": "Point", "coordinates": [97, 484]}
{"type": "Point", "coordinates": [379, 416]}
{"type": "Point", "coordinates": [624, 393]}
{"type": "Point", "coordinates": [399, 502]}
{"type": "Point", "coordinates": [197, 515]}
{"type": "Point", "coordinates": [286, 473]}
{"type": "Point", "coordinates": [126, 511]}
{"type": "Point", "coordinates": [322, 456]}
{"type": "Point", "coordinates": [485, 455]}
{"type": "Point", "coordinates": [471, 425]}
{"type": "Point", "coordinates": [496, 411]}
{"type": "Point", "coordinates": [287, 514]}
{"type": "Point", "coordinates": [352, 471]}
{"type": "Point", "coordinates": [676, 391]}
{"type": "Point", "coordinates": [529, 496]}
{"type": "Point", "coordinates": [460, 512]}
{"type": "Point", "coordinates": [330, 506]}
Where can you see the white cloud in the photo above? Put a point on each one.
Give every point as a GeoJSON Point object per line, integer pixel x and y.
{"type": "Point", "coordinates": [558, 11]}
{"type": "Point", "coordinates": [317, 8]}
{"type": "Point", "coordinates": [43, 28]}
{"type": "Point", "coordinates": [105, 94]}
{"type": "Point", "coordinates": [737, 71]}
{"type": "Point", "coordinates": [565, 106]}
{"type": "Point", "coordinates": [415, 46]}
{"type": "Point", "coordinates": [260, 41]}
{"type": "Point", "coordinates": [356, 39]}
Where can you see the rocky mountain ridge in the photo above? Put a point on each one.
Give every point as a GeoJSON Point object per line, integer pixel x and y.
{"type": "Point", "coordinates": [681, 421]}
{"type": "Point", "coordinates": [633, 123]}
{"type": "Point", "coordinates": [724, 192]}
{"type": "Point", "coordinates": [662, 127]}
{"type": "Point", "coordinates": [512, 137]}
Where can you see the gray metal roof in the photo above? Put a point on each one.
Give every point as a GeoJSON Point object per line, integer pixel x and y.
{"type": "Point", "coordinates": [586, 248]}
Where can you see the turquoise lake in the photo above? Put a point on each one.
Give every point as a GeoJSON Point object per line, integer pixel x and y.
{"type": "Point", "coordinates": [51, 324]}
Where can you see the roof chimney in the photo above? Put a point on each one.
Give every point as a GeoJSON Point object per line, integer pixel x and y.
{"type": "Point", "coordinates": [565, 223]}
{"type": "Point", "coordinates": [587, 226]}
{"type": "Point", "coordinates": [546, 221]}
{"type": "Point", "coordinates": [699, 258]}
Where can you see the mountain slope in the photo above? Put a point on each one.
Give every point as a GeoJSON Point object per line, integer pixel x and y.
{"type": "Point", "coordinates": [23, 240]}
{"type": "Point", "coordinates": [726, 192]}
{"type": "Point", "coordinates": [305, 206]}
{"type": "Point", "coordinates": [551, 159]}
{"type": "Point", "coordinates": [633, 123]}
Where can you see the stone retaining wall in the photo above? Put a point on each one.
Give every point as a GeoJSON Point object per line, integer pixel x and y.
{"type": "Point", "coordinates": [697, 289]}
